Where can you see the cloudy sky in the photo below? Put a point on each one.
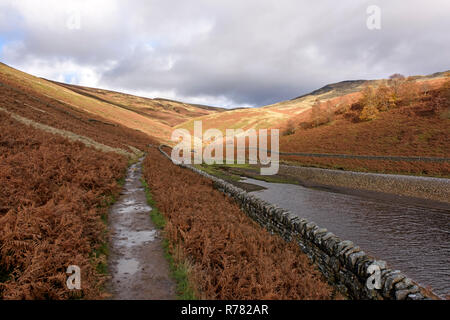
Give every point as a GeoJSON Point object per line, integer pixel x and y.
{"type": "Point", "coordinates": [223, 53]}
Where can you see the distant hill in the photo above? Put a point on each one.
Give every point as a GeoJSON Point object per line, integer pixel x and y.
{"type": "Point", "coordinates": [339, 88]}
{"type": "Point", "coordinates": [415, 129]}
{"type": "Point", "coordinates": [155, 117]}
{"type": "Point", "coordinates": [168, 112]}
{"type": "Point", "coordinates": [277, 115]}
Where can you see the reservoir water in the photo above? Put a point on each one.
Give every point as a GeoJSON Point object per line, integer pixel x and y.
{"type": "Point", "coordinates": [410, 238]}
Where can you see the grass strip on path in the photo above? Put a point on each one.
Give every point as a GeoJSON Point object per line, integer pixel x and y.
{"type": "Point", "coordinates": [179, 269]}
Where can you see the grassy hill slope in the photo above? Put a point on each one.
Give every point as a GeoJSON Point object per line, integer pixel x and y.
{"type": "Point", "coordinates": [417, 125]}
{"type": "Point", "coordinates": [154, 117]}
{"type": "Point", "coordinates": [279, 115]}
{"type": "Point", "coordinates": [168, 112]}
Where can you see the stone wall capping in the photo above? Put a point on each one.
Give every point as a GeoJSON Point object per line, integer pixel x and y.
{"type": "Point", "coordinates": [319, 232]}
{"type": "Point", "coordinates": [349, 250]}
{"type": "Point", "coordinates": [331, 244]}
{"type": "Point", "coordinates": [361, 266]}
{"type": "Point", "coordinates": [381, 263]}
{"type": "Point", "coordinates": [404, 284]}
{"type": "Point", "coordinates": [353, 258]}
{"type": "Point", "coordinates": [327, 236]}
{"type": "Point", "coordinates": [343, 246]}
{"type": "Point", "coordinates": [318, 235]}
{"type": "Point", "coordinates": [391, 279]}
{"type": "Point", "coordinates": [311, 225]}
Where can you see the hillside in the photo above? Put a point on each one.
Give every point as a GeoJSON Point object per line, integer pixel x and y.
{"type": "Point", "coordinates": [63, 166]}
{"type": "Point", "coordinates": [371, 122]}
{"type": "Point", "coordinates": [274, 115]}
{"type": "Point", "coordinates": [404, 117]}
{"type": "Point", "coordinates": [168, 112]}
{"type": "Point", "coordinates": [154, 117]}
{"type": "Point", "coordinates": [60, 168]}
{"type": "Point", "coordinates": [279, 115]}
{"type": "Point", "coordinates": [326, 120]}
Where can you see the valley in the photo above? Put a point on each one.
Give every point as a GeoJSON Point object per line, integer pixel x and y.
{"type": "Point", "coordinates": [66, 151]}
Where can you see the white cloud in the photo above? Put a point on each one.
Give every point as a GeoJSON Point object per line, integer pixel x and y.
{"type": "Point", "coordinates": [220, 52]}
{"type": "Point", "coordinates": [63, 70]}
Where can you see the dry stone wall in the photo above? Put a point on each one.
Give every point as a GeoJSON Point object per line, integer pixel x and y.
{"type": "Point", "coordinates": [343, 263]}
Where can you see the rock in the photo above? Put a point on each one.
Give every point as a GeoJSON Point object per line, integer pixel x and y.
{"type": "Point", "coordinates": [354, 257]}
{"type": "Point", "coordinates": [401, 294]}
{"type": "Point", "coordinates": [331, 244]}
{"type": "Point", "coordinates": [362, 265]}
{"type": "Point", "coordinates": [311, 226]}
{"type": "Point", "coordinates": [382, 264]}
{"type": "Point", "coordinates": [327, 236]}
{"type": "Point", "coordinates": [319, 231]}
{"type": "Point", "coordinates": [317, 235]}
{"type": "Point", "coordinates": [404, 284]}
{"type": "Point", "coordinates": [415, 296]}
{"type": "Point", "coordinates": [344, 244]}
{"type": "Point", "coordinates": [391, 279]}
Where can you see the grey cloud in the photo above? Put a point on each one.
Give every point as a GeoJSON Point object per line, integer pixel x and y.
{"type": "Point", "coordinates": [251, 52]}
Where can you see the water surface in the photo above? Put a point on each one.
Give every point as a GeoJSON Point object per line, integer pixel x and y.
{"type": "Point", "coordinates": [411, 238]}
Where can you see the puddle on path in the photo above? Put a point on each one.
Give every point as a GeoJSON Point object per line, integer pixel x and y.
{"type": "Point", "coordinates": [127, 266]}
{"type": "Point", "coordinates": [137, 265]}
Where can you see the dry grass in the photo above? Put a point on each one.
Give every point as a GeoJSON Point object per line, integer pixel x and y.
{"type": "Point", "coordinates": [52, 197]}
{"type": "Point", "coordinates": [59, 168]}
{"type": "Point", "coordinates": [38, 108]}
{"type": "Point", "coordinates": [231, 256]}
{"type": "Point", "coordinates": [167, 112]}
{"type": "Point", "coordinates": [413, 128]}
{"type": "Point", "coordinates": [151, 116]}
{"type": "Point", "coordinates": [72, 136]}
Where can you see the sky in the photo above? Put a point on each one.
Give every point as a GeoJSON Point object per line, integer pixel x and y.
{"type": "Point", "coordinates": [232, 53]}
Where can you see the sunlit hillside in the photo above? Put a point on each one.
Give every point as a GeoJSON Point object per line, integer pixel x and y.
{"type": "Point", "coordinates": [168, 112]}
{"type": "Point", "coordinates": [154, 117]}
{"type": "Point", "coordinates": [279, 115]}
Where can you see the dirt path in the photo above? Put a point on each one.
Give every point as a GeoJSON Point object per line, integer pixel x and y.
{"type": "Point", "coordinates": [137, 265]}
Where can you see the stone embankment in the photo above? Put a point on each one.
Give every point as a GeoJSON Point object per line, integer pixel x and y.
{"type": "Point", "coordinates": [437, 189]}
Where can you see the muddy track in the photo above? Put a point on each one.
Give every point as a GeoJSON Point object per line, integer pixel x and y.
{"type": "Point", "coordinates": [137, 265]}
